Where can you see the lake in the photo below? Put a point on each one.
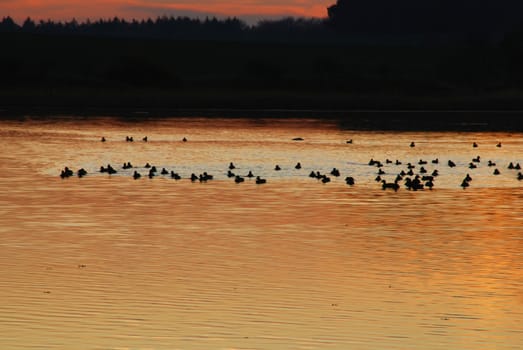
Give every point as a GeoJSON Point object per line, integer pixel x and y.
{"type": "Point", "coordinates": [110, 262]}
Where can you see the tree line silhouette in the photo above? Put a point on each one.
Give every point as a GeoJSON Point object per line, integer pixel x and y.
{"type": "Point", "coordinates": [365, 47]}
{"type": "Point", "coordinates": [354, 21]}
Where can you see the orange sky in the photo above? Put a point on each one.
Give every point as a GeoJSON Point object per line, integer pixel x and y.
{"type": "Point", "coordinates": [94, 9]}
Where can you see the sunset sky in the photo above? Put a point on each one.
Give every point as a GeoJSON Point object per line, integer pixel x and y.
{"type": "Point", "coordinates": [249, 10]}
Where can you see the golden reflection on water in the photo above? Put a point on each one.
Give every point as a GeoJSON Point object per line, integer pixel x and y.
{"type": "Point", "coordinates": [111, 263]}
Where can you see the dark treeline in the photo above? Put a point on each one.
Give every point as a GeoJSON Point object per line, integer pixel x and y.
{"type": "Point", "coordinates": [348, 21]}
{"type": "Point", "coordinates": [180, 28]}
{"type": "Point", "coordinates": [414, 51]}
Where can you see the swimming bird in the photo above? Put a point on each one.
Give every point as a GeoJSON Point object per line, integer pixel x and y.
{"type": "Point", "coordinates": [103, 139]}
{"type": "Point", "coordinates": [152, 173]}
{"type": "Point", "coordinates": [520, 176]}
{"type": "Point", "coordinates": [474, 145]}
{"type": "Point", "coordinates": [511, 165]}
{"type": "Point", "coordinates": [491, 163]}
{"type": "Point", "coordinates": [144, 139]}
{"type": "Point", "coordinates": [468, 178]}
{"type": "Point", "coordinates": [496, 172]}
{"type": "Point", "coordinates": [250, 174]}
{"type": "Point", "coordinates": [392, 185]}
{"type": "Point", "coordinates": [297, 139]}
{"type": "Point", "coordinates": [297, 166]}
{"type": "Point", "coordinates": [435, 161]}
{"type": "Point", "coordinates": [175, 176]}
{"type": "Point", "coordinates": [184, 140]}
{"type": "Point", "coordinates": [238, 179]}
{"type": "Point", "coordinates": [517, 166]}
{"type": "Point", "coordinates": [499, 144]}
{"type": "Point", "coordinates": [422, 162]}
{"type": "Point", "coordinates": [465, 184]}
{"type": "Point", "coordinates": [147, 165]}
{"type": "Point", "coordinates": [230, 174]}
{"type": "Point", "coordinates": [349, 141]}
{"type": "Point", "coordinates": [429, 184]}
{"type": "Point", "coordinates": [472, 165]}
{"type": "Point", "coordinates": [66, 172]}
{"type": "Point", "coordinates": [325, 179]}
{"type": "Point", "coordinates": [336, 172]}
{"type": "Point", "coordinates": [277, 167]}
{"type": "Point", "coordinates": [422, 170]}
{"type": "Point", "coordinates": [164, 171]}
{"type": "Point", "coordinates": [82, 172]}
{"type": "Point", "coordinates": [231, 166]}
{"type": "Point", "coordinates": [349, 180]}
{"type": "Point", "coordinates": [136, 175]}
{"type": "Point", "coordinates": [451, 164]}
{"type": "Point", "coordinates": [260, 181]}
{"type": "Point", "coordinates": [435, 173]}
{"type": "Point", "coordinates": [476, 160]}
{"type": "Point", "coordinates": [412, 144]}
{"type": "Point", "coordinates": [193, 177]}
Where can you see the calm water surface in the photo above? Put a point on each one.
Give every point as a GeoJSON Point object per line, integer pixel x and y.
{"type": "Point", "coordinates": [107, 262]}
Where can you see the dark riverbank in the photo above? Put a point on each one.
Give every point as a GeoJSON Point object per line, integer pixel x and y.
{"type": "Point", "coordinates": [385, 112]}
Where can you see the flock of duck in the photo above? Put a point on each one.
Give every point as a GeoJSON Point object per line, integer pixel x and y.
{"type": "Point", "coordinates": [412, 177]}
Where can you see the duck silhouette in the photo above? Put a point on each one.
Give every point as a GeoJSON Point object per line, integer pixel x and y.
{"type": "Point", "coordinates": [260, 181]}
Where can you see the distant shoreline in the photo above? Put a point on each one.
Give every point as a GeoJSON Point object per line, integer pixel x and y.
{"type": "Point", "coordinates": [387, 112]}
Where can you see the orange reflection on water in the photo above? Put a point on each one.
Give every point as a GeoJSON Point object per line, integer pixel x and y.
{"type": "Point", "coordinates": [110, 262]}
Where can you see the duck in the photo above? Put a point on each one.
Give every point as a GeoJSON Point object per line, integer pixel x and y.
{"type": "Point", "coordinates": [491, 163]}
{"type": "Point", "coordinates": [476, 160]}
{"type": "Point", "coordinates": [238, 179]}
{"type": "Point", "coordinates": [325, 179]}
{"type": "Point", "coordinates": [391, 185]}
{"type": "Point", "coordinates": [231, 166]}
{"type": "Point", "coordinates": [66, 172]}
{"type": "Point", "coordinates": [151, 173]}
{"type": "Point", "coordinates": [451, 164]}
{"type": "Point", "coordinates": [164, 171]}
{"type": "Point", "coordinates": [498, 145]}
{"type": "Point", "coordinates": [435, 161]}
{"type": "Point", "coordinates": [277, 167]}
{"type": "Point", "coordinates": [260, 181]}
{"type": "Point", "coordinates": [435, 173]}
{"type": "Point", "coordinates": [496, 172]}
{"type": "Point", "coordinates": [429, 184]}
{"type": "Point", "coordinates": [250, 174]}
{"type": "Point", "coordinates": [349, 141]}
{"type": "Point", "coordinates": [412, 144]}
{"type": "Point", "coordinates": [184, 139]}
{"type": "Point", "coordinates": [147, 165]}
{"type": "Point", "coordinates": [472, 165]}
{"type": "Point", "coordinates": [520, 176]}
{"type": "Point", "coordinates": [193, 177]}
{"type": "Point", "coordinates": [511, 165]}
{"type": "Point", "coordinates": [136, 175]}
{"type": "Point", "coordinates": [297, 166]}
{"type": "Point", "coordinates": [465, 184]}
{"type": "Point", "coordinates": [422, 170]}
{"type": "Point", "coordinates": [82, 172]}
{"type": "Point", "coordinates": [349, 180]}
{"type": "Point", "coordinates": [336, 172]}
{"type": "Point", "coordinates": [175, 176]}
{"type": "Point", "coordinates": [422, 162]}
{"type": "Point", "coordinates": [144, 139]}
{"type": "Point", "coordinates": [103, 139]}
{"type": "Point", "coordinates": [230, 174]}
{"type": "Point", "coordinates": [468, 178]}
{"type": "Point", "coordinates": [474, 145]}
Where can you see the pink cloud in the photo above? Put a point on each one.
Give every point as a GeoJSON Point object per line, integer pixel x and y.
{"type": "Point", "coordinates": [94, 9]}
